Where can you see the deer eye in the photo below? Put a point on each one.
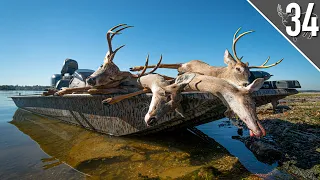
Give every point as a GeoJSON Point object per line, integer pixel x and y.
{"type": "Point", "coordinates": [238, 69]}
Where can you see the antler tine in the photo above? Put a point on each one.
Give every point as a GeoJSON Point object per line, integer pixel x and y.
{"type": "Point", "coordinates": [118, 31]}
{"type": "Point", "coordinates": [118, 49]}
{"type": "Point", "coordinates": [263, 65]}
{"type": "Point", "coordinates": [110, 31]}
{"type": "Point", "coordinates": [235, 40]}
{"type": "Point", "coordinates": [236, 34]}
{"type": "Point", "coordinates": [145, 67]}
{"type": "Point", "coordinates": [115, 27]}
{"type": "Point", "coordinates": [157, 66]}
{"type": "Point", "coordinates": [266, 61]}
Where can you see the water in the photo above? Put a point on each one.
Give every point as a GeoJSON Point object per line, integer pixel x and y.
{"type": "Point", "coordinates": [222, 131]}
{"type": "Point", "coordinates": [34, 147]}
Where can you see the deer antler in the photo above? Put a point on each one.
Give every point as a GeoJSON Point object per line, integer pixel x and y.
{"type": "Point", "coordinates": [235, 40]}
{"type": "Point", "coordinates": [263, 65]}
{"type": "Point", "coordinates": [146, 66]}
{"type": "Point", "coordinates": [110, 34]}
{"type": "Point", "coordinates": [145, 90]}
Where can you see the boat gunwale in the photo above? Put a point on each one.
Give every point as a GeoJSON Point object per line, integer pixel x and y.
{"type": "Point", "coordinates": [261, 92]}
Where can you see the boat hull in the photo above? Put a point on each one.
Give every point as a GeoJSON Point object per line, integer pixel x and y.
{"type": "Point", "coordinates": [127, 116]}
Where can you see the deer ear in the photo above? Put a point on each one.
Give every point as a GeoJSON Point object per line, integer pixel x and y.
{"type": "Point", "coordinates": [255, 85]}
{"type": "Point", "coordinates": [180, 82]}
{"type": "Point", "coordinates": [228, 59]}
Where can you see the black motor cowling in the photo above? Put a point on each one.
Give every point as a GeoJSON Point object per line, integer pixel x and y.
{"type": "Point", "coordinates": [69, 66]}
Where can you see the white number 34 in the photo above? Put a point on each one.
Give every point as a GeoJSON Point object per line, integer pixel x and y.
{"type": "Point", "coordinates": [309, 23]}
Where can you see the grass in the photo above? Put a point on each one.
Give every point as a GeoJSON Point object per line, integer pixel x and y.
{"type": "Point", "coordinates": [306, 110]}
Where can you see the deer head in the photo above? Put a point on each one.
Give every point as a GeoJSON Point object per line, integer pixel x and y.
{"type": "Point", "coordinates": [165, 96]}
{"type": "Point", "coordinates": [108, 72]}
{"type": "Point", "coordinates": [244, 106]}
{"type": "Point", "coordinates": [238, 72]}
{"type": "Point", "coordinates": [236, 98]}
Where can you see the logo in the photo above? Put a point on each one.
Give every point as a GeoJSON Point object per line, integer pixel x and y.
{"type": "Point", "coordinates": [293, 17]}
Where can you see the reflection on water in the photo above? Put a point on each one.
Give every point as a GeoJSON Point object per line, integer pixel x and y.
{"type": "Point", "coordinates": [20, 157]}
{"type": "Point", "coordinates": [171, 154]}
{"type": "Point", "coordinates": [222, 131]}
{"type": "Point", "coordinates": [33, 147]}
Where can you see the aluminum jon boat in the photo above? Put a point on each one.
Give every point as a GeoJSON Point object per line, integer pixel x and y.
{"type": "Point", "coordinates": [127, 116]}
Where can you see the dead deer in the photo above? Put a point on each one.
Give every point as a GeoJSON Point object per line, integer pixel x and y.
{"type": "Point", "coordinates": [108, 75]}
{"type": "Point", "coordinates": [236, 71]}
{"type": "Point", "coordinates": [165, 95]}
{"type": "Point", "coordinates": [236, 98]}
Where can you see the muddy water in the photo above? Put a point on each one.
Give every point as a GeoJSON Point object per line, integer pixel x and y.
{"type": "Point", "coordinates": [222, 131]}
{"type": "Point", "coordinates": [33, 147]}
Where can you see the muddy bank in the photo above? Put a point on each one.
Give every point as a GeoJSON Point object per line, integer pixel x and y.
{"type": "Point", "coordinates": [293, 138]}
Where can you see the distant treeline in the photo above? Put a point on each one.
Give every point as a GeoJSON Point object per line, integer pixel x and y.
{"type": "Point", "coordinates": [23, 88]}
{"type": "Point", "coordinates": [309, 90]}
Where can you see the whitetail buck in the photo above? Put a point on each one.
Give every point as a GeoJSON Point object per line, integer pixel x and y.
{"type": "Point", "coordinates": [236, 72]}
{"type": "Point", "coordinates": [108, 78]}
{"type": "Point", "coordinates": [165, 95]}
{"type": "Point", "coordinates": [108, 75]}
{"type": "Point", "coordinates": [236, 98]}
{"type": "Point", "coordinates": [287, 21]}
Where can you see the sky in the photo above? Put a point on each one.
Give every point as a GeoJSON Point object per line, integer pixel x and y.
{"type": "Point", "coordinates": [36, 36]}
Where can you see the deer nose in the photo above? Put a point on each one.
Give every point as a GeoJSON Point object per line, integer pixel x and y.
{"type": "Point", "coordinates": [151, 121]}
{"type": "Point", "coordinates": [245, 84]}
{"type": "Point", "coordinates": [91, 81]}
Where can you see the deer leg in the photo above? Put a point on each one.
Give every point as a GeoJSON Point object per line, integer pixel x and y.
{"type": "Point", "coordinates": [71, 90]}
{"type": "Point", "coordinates": [49, 92]}
{"type": "Point", "coordinates": [107, 91]}
{"type": "Point", "coordinates": [117, 99]}
{"type": "Point", "coordinates": [169, 66]}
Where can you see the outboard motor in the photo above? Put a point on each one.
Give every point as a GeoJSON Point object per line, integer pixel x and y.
{"type": "Point", "coordinates": [69, 66]}
{"type": "Point", "coordinates": [70, 76]}
{"type": "Point", "coordinates": [79, 77]}
{"type": "Point", "coordinates": [68, 69]}
{"type": "Point", "coordinates": [55, 78]}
